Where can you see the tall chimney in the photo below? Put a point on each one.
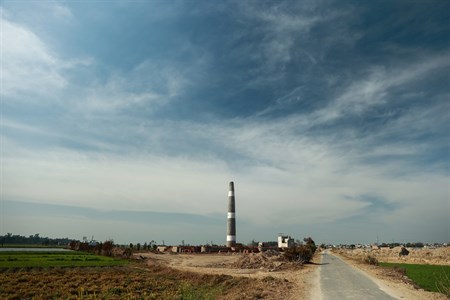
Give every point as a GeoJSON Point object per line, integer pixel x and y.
{"type": "Point", "coordinates": [231, 218]}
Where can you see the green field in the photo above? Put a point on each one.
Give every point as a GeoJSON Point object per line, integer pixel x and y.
{"type": "Point", "coordinates": [24, 259]}
{"type": "Point", "coordinates": [429, 277]}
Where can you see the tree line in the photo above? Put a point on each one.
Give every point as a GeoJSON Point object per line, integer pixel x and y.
{"type": "Point", "coordinates": [35, 239]}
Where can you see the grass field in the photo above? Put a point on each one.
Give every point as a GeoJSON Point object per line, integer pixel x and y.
{"type": "Point", "coordinates": [25, 259]}
{"type": "Point", "coordinates": [429, 277]}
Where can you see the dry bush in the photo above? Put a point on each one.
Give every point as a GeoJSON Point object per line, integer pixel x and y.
{"type": "Point", "coordinates": [403, 252]}
{"type": "Point", "coordinates": [300, 254]}
{"type": "Point", "coordinates": [370, 260]}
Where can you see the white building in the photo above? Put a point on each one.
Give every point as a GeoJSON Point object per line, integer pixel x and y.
{"type": "Point", "coordinates": [285, 241]}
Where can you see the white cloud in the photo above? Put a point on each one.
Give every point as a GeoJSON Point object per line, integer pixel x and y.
{"type": "Point", "coordinates": [278, 35]}
{"type": "Point", "coordinates": [374, 90]}
{"type": "Point", "coordinates": [288, 179]}
{"type": "Point", "coordinates": [111, 182]}
{"type": "Point", "coordinates": [114, 96]}
{"type": "Point", "coordinates": [149, 85]}
{"type": "Point", "coordinates": [32, 72]}
{"type": "Point", "coordinates": [13, 145]}
{"type": "Point", "coordinates": [358, 96]}
{"type": "Point", "coordinates": [27, 64]}
{"type": "Point", "coordinates": [61, 12]}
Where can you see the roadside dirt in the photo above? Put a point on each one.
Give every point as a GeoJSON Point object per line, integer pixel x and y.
{"type": "Point", "coordinates": [438, 256]}
{"type": "Point", "coordinates": [298, 281]}
{"type": "Point", "coordinates": [393, 282]}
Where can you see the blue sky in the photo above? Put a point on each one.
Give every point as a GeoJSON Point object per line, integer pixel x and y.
{"type": "Point", "coordinates": [127, 119]}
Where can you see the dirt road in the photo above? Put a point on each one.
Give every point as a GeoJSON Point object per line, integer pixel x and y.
{"type": "Point", "coordinates": [339, 280]}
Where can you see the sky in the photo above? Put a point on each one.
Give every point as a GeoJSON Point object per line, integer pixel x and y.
{"type": "Point", "coordinates": [126, 120]}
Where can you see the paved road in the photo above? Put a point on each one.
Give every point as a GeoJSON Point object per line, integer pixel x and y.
{"type": "Point", "coordinates": [338, 280]}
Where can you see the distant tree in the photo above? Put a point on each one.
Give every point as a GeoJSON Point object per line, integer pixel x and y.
{"type": "Point", "coordinates": [138, 246]}
{"type": "Point", "coordinates": [418, 245]}
{"type": "Point", "coordinates": [107, 248]}
{"type": "Point", "coordinates": [73, 245]}
{"type": "Point", "coordinates": [36, 239]}
{"type": "Point", "coordinates": [98, 248]}
{"type": "Point", "coordinates": [83, 246]}
{"type": "Point", "coordinates": [310, 244]}
{"type": "Point", "coordinates": [131, 245]}
{"type": "Point", "coordinates": [127, 252]}
{"type": "Point", "coordinates": [145, 246]}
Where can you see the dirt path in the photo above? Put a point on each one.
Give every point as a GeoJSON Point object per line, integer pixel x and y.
{"type": "Point", "coordinates": [339, 280]}
{"type": "Point", "coordinates": [302, 278]}
{"type": "Point", "coordinates": [396, 286]}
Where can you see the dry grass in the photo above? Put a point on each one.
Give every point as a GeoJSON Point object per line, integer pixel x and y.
{"type": "Point", "coordinates": [130, 282]}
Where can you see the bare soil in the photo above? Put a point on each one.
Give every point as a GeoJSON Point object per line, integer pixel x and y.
{"type": "Point", "coordinates": [271, 277]}
{"type": "Point", "coordinates": [438, 256]}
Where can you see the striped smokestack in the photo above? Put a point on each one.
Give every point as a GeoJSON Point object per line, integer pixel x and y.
{"type": "Point", "coordinates": [231, 218]}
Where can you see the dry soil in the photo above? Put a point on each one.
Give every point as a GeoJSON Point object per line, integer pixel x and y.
{"type": "Point", "coordinates": [299, 279]}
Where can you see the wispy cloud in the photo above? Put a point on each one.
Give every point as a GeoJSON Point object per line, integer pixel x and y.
{"type": "Point", "coordinates": [376, 88]}
{"type": "Point", "coordinates": [27, 64]}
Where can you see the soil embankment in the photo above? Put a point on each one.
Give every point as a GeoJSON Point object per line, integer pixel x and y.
{"type": "Point", "coordinates": [437, 256]}
{"type": "Point", "coordinates": [281, 280]}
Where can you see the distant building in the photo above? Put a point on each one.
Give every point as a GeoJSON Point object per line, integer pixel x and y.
{"type": "Point", "coordinates": [285, 241]}
{"type": "Point", "coordinates": [161, 248]}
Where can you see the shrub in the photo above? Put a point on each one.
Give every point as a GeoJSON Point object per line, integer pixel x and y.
{"type": "Point", "coordinates": [107, 248]}
{"type": "Point", "coordinates": [310, 244]}
{"type": "Point", "coordinates": [371, 260]}
{"type": "Point", "coordinates": [302, 253]}
{"type": "Point", "coordinates": [403, 252]}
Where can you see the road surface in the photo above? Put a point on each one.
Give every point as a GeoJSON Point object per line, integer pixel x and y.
{"type": "Point", "coordinates": [339, 280]}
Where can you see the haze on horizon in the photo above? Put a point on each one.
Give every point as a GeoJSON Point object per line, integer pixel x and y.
{"type": "Point", "coordinates": [127, 120]}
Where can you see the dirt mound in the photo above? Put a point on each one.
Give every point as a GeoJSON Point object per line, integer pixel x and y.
{"type": "Point", "coordinates": [437, 256]}
{"type": "Point", "coordinates": [253, 261]}
{"type": "Point", "coordinates": [269, 261]}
